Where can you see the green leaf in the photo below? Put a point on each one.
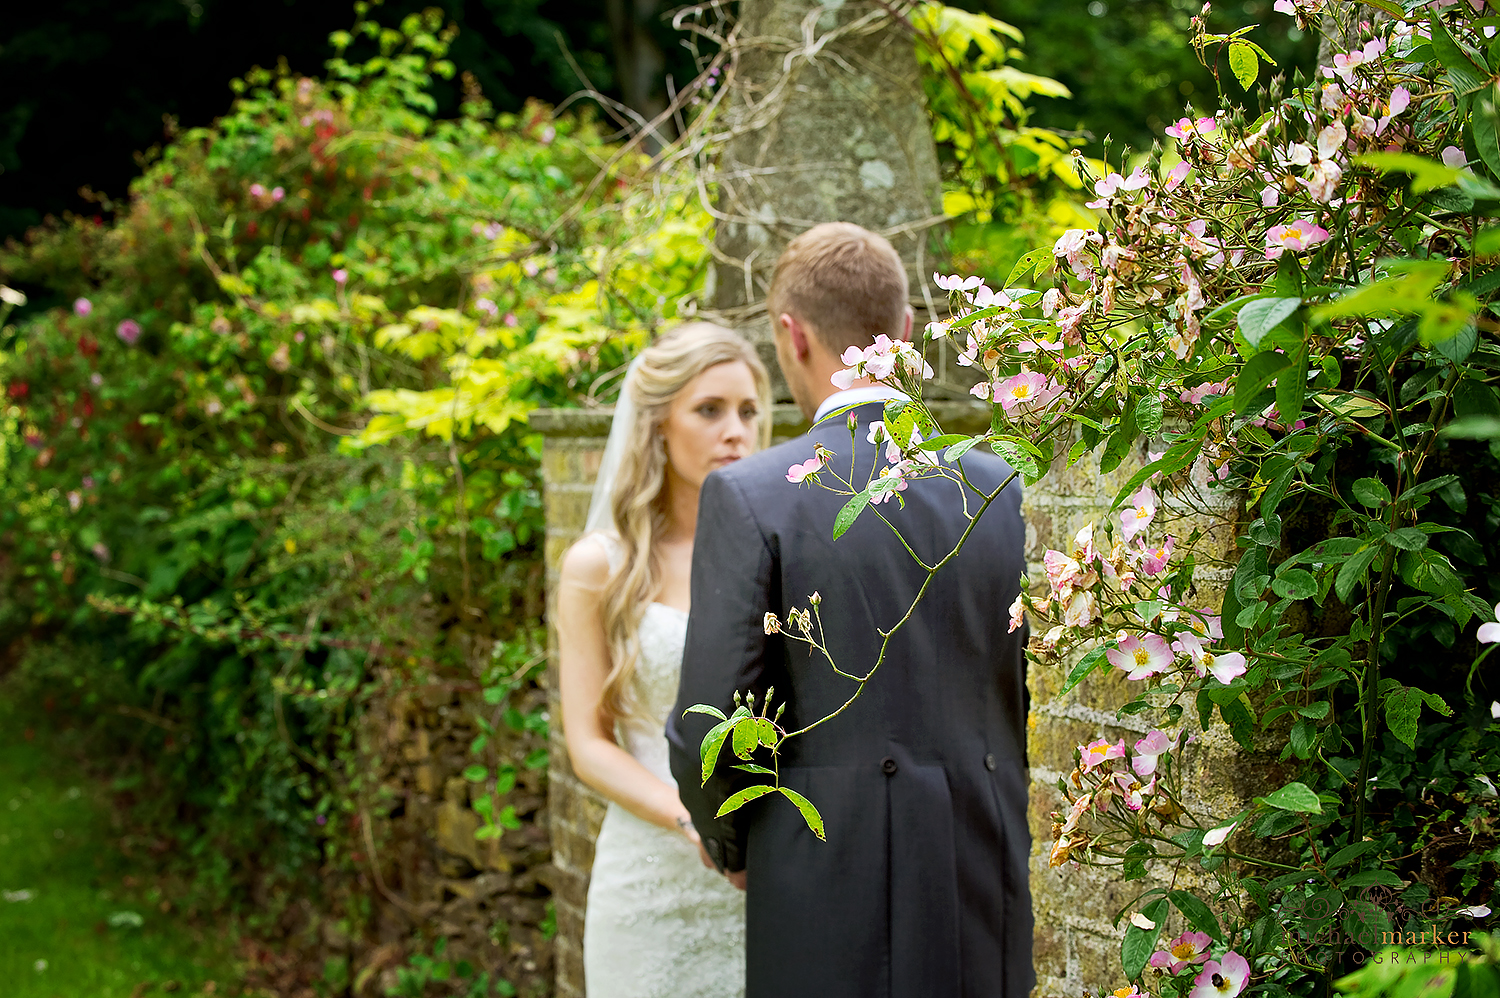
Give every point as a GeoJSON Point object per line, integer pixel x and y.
{"type": "Point", "coordinates": [1120, 442]}
{"type": "Point", "coordinates": [744, 797]}
{"type": "Point", "coordinates": [475, 774]}
{"type": "Point", "coordinates": [850, 513]}
{"type": "Point", "coordinates": [1148, 413]}
{"type": "Point", "coordinates": [703, 708]}
{"type": "Point", "coordinates": [1365, 922]}
{"type": "Point", "coordinates": [1017, 457]}
{"type": "Point", "coordinates": [958, 450]}
{"type": "Point", "coordinates": [1350, 405]}
{"type": "Point", "coordinates": [1350, 853]}
{"type": "Point", "coordinates": [1485, 127]}
{"type": "Point", "coordinates": [1258, 372]}
{"type": "Point", "coordinates": [1462, 72]}
{"type": "Point", "coordinates": [1243, 61]}
{"type": "Point", "coordinates": [1138, 945]}
{"type": "Point", "coordinates": [809, 813]}
{"type": "Point", "coordinates": [1295, 583]}
{"type": "Point", "coordinates": [766, 732]}
{"type": "Point", "coordinates": [713, 742]}
{"type": "Point", "coordinates": [1291, 389]}
{"type": "Point", "coordinates": [975, 316]}
{"type": "Point", "coordinates": [1081, 671]}
{"type": "Point", "coordinates": [1352, 572]}
{"type": "Point", "coordinates": [1198, 913]}
{"type": "Point", "coordinates": [1371, 878]}
{"type": "Point", "coordinates": [1371, 492]}
{"type": "Point", "coordinates": [746, 737]}
{"type": "Point", "coordinates": [1031, 261]}
{"type": "Point", "coordinates": [1406, 538]}
{"type": "Point", "coordinates": [1403, 705]}
{"type": "Point", "coordinates": [1295, 797]}
{"type": "Point", "coordinates": [1473, 427]}
{"type": "Point", "coordinates": [1426, 173]}
{"type": "Point", "coordinates": [1261, 316]}
{"type": "Point", "coordinates": [750, 767]}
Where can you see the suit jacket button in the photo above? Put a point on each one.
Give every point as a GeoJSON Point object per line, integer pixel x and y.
{"type": "Point", "coordinates": [989, 761]}
{"type": "Point", "coordinates": [888, 766]}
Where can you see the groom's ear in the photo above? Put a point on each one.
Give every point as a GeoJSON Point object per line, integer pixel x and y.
{"type": "Point", "coordinates": [797, 333]}
{"type": "Point", "coordinates": [906, 325]}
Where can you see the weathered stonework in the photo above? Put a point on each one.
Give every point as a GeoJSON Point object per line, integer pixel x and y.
{"type": "Point", "coordinates": [1077, 946]}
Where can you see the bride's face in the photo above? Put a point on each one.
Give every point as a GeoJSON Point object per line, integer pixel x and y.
{"type": "Point", "coordinates": [711, 422]}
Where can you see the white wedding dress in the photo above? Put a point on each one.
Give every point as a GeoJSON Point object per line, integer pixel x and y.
{"type": "Point", "coordinates": [659, 924]}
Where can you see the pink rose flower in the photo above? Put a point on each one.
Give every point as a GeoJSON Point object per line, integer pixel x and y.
{"type": "Point", "coordinates": [798, 473]}
{"type": "Point", "coordinates": [82, 307]}
{"type": "Point", "coordinates": [129, 330]}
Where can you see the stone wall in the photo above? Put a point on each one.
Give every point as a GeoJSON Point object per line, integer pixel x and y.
{"type": "Point", "coordinates": [1077, 946]}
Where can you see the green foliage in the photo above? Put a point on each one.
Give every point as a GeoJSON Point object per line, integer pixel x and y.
{"type": "Point", "coordinates": [193, 487]}
{"type": "Point", "coordinates": [1007, 183]}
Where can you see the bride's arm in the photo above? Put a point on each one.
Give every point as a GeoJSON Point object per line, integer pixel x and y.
{"type": "Point", "coordinates": [584, 664]}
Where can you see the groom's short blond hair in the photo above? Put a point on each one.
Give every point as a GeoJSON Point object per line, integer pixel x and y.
{"type": "Point", "coordinates": [844, 281]}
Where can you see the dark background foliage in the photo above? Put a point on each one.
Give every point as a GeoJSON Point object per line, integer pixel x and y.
{"type": "Point", "coordinates": [88, 83]}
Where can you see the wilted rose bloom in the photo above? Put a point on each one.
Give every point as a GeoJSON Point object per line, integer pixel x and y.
{"type": "Point", "coordinates": [82, 307]}
{"type": "Point", "coordinates": [129, 331]}
{"type": "Point", "coordinates": [101, 551]}
{"type": "Point", "coordinates": [770, 624]}
{"type": "Point", "coordinates": [74, 501]}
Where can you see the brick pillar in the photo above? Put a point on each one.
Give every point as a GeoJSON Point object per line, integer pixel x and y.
{"type": "Point", "coordinates": [1077, 948]}
{"type": "Point", "coordinates": [573, 444]}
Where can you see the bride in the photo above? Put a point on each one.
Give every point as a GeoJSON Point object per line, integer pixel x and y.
{"type": "Point", "coordinates": [660, 922]}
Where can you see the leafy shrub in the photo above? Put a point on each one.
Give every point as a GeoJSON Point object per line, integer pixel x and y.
{"type": "Point", "coordinates": [204, 536]}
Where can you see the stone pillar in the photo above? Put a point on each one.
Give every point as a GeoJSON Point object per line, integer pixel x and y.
{"type": "Point", "coordinates": [573, 445]}
{"type": "Point", "coordinates": [827, 123]}
{"type": "Point", "coordinates": [1077, 949]}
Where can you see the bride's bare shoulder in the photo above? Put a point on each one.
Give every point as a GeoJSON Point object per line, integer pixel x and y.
{"type": "Point", "coordinates": [587, 562]}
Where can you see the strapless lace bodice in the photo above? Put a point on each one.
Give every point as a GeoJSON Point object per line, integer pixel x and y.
{"type": "Point", "coordinates": [663, 629]}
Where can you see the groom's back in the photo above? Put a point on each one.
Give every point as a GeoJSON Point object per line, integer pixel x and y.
{"type": "Point", "coordinates": [921, 885]}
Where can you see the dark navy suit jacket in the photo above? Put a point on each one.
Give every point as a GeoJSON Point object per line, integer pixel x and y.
{"type": "Point", "coordinates": [920, 890]}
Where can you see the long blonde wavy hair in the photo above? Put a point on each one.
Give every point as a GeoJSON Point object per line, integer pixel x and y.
{"type": "Point", "coordinates": [666, 368]}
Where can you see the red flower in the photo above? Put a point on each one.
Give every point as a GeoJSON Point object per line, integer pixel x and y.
{"type": "Point", "coordinates": [18, 389]}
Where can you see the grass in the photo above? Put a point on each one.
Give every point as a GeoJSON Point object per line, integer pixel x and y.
{"type": "Point", "coordinates": [77, 919]}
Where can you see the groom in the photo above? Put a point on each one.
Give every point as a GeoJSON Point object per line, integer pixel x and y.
{"type": "Point", "coordinates": [921, 888]}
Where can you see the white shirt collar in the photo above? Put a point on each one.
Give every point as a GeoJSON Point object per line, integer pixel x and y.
{"type": "Point", "coordinates": [854, 396]}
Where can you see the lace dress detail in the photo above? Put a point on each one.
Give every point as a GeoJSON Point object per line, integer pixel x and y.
{"type": "Point", "coordinates": [658, 925]}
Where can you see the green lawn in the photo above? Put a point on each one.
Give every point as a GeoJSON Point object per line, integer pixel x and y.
{"type": "Point", "coordinates": [74, 921]}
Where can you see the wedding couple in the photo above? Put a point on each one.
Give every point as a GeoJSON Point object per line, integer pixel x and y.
{"type": "Point", "coordinates": [920, 890]}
